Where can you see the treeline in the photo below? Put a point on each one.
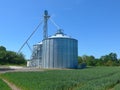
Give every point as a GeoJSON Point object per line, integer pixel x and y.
{"type": "Point", "coordinates": [106, 60]}
{"type": "Point", "coordinates": [10, 57]}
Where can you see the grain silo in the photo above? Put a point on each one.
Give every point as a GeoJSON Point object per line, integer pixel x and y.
{"type": "Point", "coordinates": [57, 51]}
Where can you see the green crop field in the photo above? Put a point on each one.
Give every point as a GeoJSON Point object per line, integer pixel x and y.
{"type": "Point", "coordinates": [94, 78]}
{"type": "Point", "coordinates": [3, 85]}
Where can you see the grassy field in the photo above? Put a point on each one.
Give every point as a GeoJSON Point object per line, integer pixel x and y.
{"type": "Point", "coordinates": [4, 86]}
{"type": "Point", "coordinates": [94, 78]}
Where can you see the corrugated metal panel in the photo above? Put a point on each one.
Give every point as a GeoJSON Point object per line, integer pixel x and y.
{"type": "Point", "coordinates": [51, 60]}
{"type": "Point", "coordinates": [59, 53]}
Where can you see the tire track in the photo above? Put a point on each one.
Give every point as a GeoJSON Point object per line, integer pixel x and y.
{"type": "Point", "coordinates": [11, 85]}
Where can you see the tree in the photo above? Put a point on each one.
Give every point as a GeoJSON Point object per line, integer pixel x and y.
{"type": "Point", "coordinates": [2, 48]}
{"type": "Point", "coordinates": [113, 56]}
{"type": "Point", "coordinates": [89, 60]}
{"type": "Point", "coordinates": [81, 63]}
{"type": "Point", "coordinates": [10, 57]}
{"type": "Point", "coordinates": [15, 58]}
{"type": "Point", "coordinates": [80, 60]}
{"type": "Point", "coordinates": [99, 62]}
{"type": "Point", "coordinates": [110, 59]}
{"type": "Point", "coordinates": [20, 59]}
{"type": "Point", "coordinates": [2, 57]}
{"type": "Point", "coordinates": [106, 60]}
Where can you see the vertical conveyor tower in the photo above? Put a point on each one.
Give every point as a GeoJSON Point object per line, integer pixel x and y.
{"type": "Point", "coordinates": [45, 31]}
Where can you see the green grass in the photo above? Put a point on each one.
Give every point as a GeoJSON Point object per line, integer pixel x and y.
{"type": "Point", "coordinates": [117, 87]}
{"type": "Point", "coordinates": [4, 86]}
{"type": "Point", "coordinates": [94, 78]}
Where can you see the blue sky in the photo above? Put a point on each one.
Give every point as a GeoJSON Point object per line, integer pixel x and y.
{"type": "Point", "coordinates": [95, 23]}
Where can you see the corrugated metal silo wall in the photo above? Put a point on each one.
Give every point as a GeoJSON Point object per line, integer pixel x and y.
{"type": "Point", "coordinates": [60, 53]}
